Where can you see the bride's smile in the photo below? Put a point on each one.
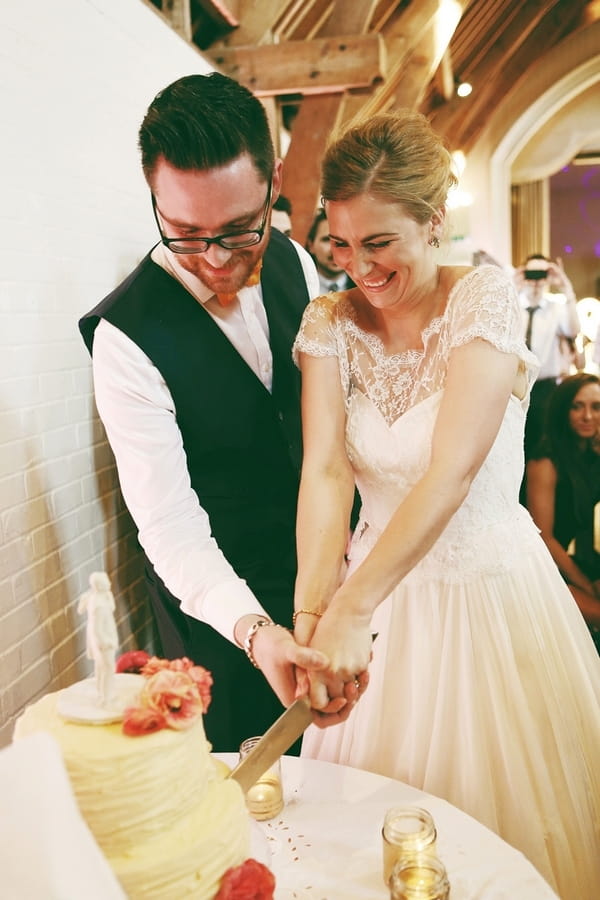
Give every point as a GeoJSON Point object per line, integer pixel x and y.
{"type": "Point", "coordinates": [384, 250]}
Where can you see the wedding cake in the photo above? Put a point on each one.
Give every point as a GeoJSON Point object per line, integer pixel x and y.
{"type": "Point", "coordinates": [168, 821]}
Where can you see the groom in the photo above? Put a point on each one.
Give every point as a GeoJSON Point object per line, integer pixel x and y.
{"type": "Point", "coordinates": [196, 387]}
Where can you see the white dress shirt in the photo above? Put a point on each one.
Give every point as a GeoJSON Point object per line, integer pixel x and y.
{"type": "Point", "coordinates": [138, 413]}
{"type": "Point", "coordinates": [556, 317]}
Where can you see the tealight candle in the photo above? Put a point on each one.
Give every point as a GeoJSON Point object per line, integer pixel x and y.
{"type": "Point", "coordinates": [406, 831]}
{"type": "Point", "coordinates": [419, 878]}
{"type": "Point", "coordinates": [264, 799]}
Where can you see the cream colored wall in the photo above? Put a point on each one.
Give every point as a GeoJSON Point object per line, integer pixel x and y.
{"type": "Point", "coordinates": [75, 217]}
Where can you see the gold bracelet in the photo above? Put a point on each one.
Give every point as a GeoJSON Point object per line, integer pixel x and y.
{"type": "Point", "coordinates": [250, 634]}
{"type": "Point", "coordinates": [308, 612]}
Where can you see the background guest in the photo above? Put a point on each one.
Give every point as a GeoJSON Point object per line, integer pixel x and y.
{"type": "Point", "coordinates": [563, 490]}
{"type": "Point", "coordinates": [549, 319]}
{"type": "Point", "coordinates": [331, 276]}
{"type": "Point", "coordinates": [281, 215]}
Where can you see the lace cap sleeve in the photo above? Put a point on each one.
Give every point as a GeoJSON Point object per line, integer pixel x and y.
{"type": "Point", "coordinates": [316, 335]}
{"type": "Point", "coordinates": [485, 305]}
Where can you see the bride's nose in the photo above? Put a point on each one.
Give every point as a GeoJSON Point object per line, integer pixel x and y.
{"type": "Point", "coordinates": [361, 262]}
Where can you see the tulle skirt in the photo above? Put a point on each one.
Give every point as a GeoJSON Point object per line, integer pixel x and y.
{"type": "Point", "coordinates": [487, 693]}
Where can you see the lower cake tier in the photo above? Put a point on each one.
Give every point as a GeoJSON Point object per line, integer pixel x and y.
{"type": "Point", "coordinates": [166, 819]}
{"type": "Point", "coordinates": [189, 860]}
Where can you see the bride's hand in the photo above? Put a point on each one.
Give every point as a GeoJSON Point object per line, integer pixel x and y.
{"type": "Point", "coordinates": [345, 638]}
{"type": "Point", "coordinates": [304, 627]}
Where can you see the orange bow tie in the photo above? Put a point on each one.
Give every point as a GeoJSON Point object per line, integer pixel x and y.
{"type": "Point", "coordinates": [253, 278]}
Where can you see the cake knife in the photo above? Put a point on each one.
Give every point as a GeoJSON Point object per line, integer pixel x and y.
{"type": "Point", "coordinates": [273, 744]}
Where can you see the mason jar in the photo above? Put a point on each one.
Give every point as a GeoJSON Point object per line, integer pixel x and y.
{"type": "Point", "coordinates": [419, 877]}
{"type": "Point", "coordinates": [407, 831]}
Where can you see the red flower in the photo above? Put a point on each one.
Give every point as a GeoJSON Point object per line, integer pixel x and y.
{"type": "Point", "coordinates": [142, 720]}
{"type": "Point", "coordinates": [175, 696]}
{"type": "Point", "coordinates": [132, 661]}
{"type": "Point", "coordinates": [249, 881]}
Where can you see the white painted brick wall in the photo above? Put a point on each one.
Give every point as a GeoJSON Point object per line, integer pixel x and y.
{"type": "Point", "coordinates": [75, 218]}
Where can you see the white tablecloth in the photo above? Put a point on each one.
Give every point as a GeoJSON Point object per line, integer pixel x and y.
{"type": "Point", "coordinates": [326, 843]}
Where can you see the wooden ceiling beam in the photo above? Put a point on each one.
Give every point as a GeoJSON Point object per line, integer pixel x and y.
{"type": "Point", "coordinates": [354, 18]}
{"type": "Point", "coordinates": [444, 77]}
{"type": "Point", "coordinates": [317, 117]}
{"type": "Point", "coordinates": [321, 66]}
{"type": "Point", "coordinates": [255, 20]}
{"type": "Point", "coordinates": [427, 34]}
{"type": "Point", "coordinates": [179, 17]}
{"type": "Point", "coordinates": [510, 57]}
{"type": "Point", "coordinates": [484, 61]}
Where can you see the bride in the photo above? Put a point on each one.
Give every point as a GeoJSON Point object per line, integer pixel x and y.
{"type": "Point", "coordinates": [484, 681]}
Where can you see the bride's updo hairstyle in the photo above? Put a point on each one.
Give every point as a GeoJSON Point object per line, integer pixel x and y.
{"type": "Point", "coordinates": [395, 157]}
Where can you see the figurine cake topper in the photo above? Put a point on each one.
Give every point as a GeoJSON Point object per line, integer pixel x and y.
{"type": "Point", "coordinates": [102, 639]}
{"type": "Point", "coordinates": [104, 697]}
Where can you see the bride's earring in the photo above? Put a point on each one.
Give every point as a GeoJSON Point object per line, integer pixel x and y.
{"type": "Point", "coordinates": [434, 241]}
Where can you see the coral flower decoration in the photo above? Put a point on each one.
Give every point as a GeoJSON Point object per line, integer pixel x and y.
{"type": "Point", "coordinates": [175, 696]}
{"type": "Point", "coordinates": [249, 881]}
{"type": "Point", "coordinates": [133, 661]}
{"type": "Point", "coordinates": [175, 693]}
{"type": "Point", "coordinates": [198, 674]}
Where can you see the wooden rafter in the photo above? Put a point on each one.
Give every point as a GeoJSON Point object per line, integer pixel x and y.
{"type": "Point", "coordinates": [426, 35]}
{"type": "Point", "coordinates": [325, 65]}
{"type": "Point", "coordinates": [498, 71]}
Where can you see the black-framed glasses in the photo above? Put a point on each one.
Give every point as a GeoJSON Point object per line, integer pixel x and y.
{"type": "Point", "coordinates": [232, 241]}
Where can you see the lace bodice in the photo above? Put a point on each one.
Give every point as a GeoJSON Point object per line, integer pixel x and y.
{"type": "Point", "coordinates": [392, 404]}
{"type": "Point", "coordinates": [482, 304]}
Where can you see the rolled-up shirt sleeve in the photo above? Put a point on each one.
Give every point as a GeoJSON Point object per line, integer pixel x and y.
{"type": "Point", "coordinates": [138, 414]}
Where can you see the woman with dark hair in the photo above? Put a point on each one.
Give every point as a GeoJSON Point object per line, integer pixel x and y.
{"type": "Point", "coordinates": [563, 490]}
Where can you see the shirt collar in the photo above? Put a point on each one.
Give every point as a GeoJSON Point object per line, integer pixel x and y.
{"type": "Point", "coordinates": [167, 260]}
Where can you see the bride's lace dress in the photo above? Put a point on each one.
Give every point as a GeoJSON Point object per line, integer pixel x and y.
{"type": "Point", "coordinates": [485, 683]}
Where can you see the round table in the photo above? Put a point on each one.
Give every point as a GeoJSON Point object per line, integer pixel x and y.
{"type": "Point", "coordinates": [326, 842]}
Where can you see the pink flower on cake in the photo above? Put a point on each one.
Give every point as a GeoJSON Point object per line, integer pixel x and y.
{"type": "Point", "coordinates": [175, 696]}
{"type": "Point", "coordinates": [132, 661]}
{"type": "Point", "coordinates": [249, 881]}
{"type": "Point", "coordinates": [198, 674]}
{"type": "Point", "coordinates": [175, 693]}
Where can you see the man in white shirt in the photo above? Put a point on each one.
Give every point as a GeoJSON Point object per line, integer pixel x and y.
{"type": "Point", "coordinates": [331, 276]}
{"type": "Point", "coordinates": [549, 318]}
{"type": "Point", "coordinates": [199, 397]}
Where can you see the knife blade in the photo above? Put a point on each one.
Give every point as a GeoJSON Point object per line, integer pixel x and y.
{"type": "Point", "coordinates": [273, 744]}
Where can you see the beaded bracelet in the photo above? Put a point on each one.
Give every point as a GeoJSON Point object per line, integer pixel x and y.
{"type": "Point", "coordinates": [260, 623]}
{"type": "Point", "coordinates": [309, 612]}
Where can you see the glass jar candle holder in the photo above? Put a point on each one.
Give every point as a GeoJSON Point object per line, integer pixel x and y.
{"type": "Point", "coordinates": [264, 800]}
{"type": "Point", "coordinates": [419, 877]}
{"type": "Point", "coordinates": [408, 831]}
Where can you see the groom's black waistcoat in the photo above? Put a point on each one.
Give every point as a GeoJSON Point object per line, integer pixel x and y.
{"type": "Point", "coordinates": [243, 444]}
